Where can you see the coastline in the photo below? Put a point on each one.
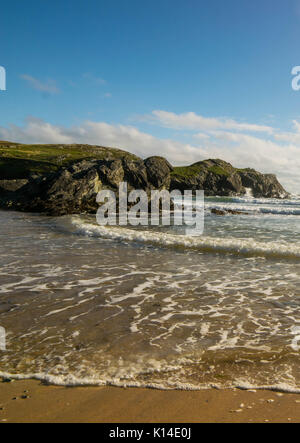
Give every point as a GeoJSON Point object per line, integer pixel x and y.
{"type": "Point", "coordinates": [55, 404]}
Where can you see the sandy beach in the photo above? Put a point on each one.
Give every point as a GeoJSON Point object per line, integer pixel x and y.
{"type": "Point", "coordinates": [54, 404]}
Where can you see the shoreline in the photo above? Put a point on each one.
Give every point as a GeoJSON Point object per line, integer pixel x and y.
{"type": "Point", "coordinates": [30, 401]}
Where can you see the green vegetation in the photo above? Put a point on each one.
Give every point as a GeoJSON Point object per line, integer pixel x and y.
{"type": "Point", "coordinates": [187, 171]}
{"type": "Point", "coordinates": [19, 161]}
{"type": "Point", "coordinates": [193, 170]}
{"type": "Point", "coordinates": [218, 170]}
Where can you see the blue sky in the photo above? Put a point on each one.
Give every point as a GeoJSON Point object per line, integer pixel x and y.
{"type": "Point", "coordinates": [186, 79]}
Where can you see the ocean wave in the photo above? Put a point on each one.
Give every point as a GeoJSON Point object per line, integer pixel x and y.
{"type": "Point", "coordinates": [255, 201]}
{"type": "Point", "coordinates": [244, 247]}
{"type": "Point", "coordinates": [73, 381]}
{"type": "Point", "coordinates": [255, 209]}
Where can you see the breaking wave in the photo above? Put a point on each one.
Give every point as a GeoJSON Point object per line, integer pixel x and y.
{"type": "Point", "coordinates": [255, 206]}
{"type": "Point", "coordinates": [243, 247]}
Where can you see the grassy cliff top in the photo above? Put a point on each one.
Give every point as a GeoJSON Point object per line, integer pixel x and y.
{"type": "Point", "coordinates": [216, 166]}
{"type": "Point", "coordinates": [20, 160]}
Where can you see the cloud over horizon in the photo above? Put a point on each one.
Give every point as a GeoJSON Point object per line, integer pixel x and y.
{"type": "Point", "coordinates": [266, 151]}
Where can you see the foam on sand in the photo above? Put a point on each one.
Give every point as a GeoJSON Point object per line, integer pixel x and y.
{"type": "Point", "coordinates": [73, 381]}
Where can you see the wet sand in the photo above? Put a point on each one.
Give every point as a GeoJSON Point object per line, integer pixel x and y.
{"type": "Point", "coordinates": [46, 404]}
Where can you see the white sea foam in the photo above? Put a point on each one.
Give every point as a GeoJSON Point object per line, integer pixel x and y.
{"type": "Point", "coordinates": [244, 247]}
{"type": "Point", "coordinates": [256, 201]}
{"type": "Point", "coordinates": [255, 206]}
{"type": "Point", "coordinates": [73, 381]}
{"type": "Point", "coordinates": [255, 209]}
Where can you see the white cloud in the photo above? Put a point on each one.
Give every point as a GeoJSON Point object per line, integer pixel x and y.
{"type": "Point", "coordinates": [94, 79]}
{"type": "Point", "coordinates": [291, 137]}
{"type": "Point", "coordinates": [49, 86]}
{"type": "Point", "coordinates": [242, 150]}
{"type": "Point", "coordinates": [34, 131]}
{"type": "Point", "coordinates": [193, 121]}
{"type": "Point", "coordinates": [201, 136]}
{"type": "Point", "coordinates": [100, 133]}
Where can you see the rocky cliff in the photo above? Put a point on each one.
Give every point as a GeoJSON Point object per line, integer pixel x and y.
{"type": "Point", "coordinates": [64, 179]}
{"type": "Point", "coordinates": [218, 177]}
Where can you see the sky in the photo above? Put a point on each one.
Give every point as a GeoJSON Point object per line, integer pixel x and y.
{"type": "Point", "coordinates": [185, 79]}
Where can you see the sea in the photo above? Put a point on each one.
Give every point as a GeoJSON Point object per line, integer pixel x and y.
{"type": "Point", "coordinates": [82, 304]}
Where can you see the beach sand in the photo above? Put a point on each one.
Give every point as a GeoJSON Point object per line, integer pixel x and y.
{"type": "Point", "coordinates": [117, 405]}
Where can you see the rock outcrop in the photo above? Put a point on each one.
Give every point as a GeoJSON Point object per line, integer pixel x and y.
{"type": "Point", "coordinates": [262, 185]}
{"type": "Point", "coordinates": [222, 212]}
{"type": "Point", "coordinates": [216, 177]}
{"type": "Point", "coordinates": [159, 172]}
{"type": "Point", "coordinates": [73, 188]}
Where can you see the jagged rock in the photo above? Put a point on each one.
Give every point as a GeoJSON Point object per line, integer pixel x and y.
{"type": "Point", "coordinates": [74, 189]}
{"type": "Point", "coordinates": [159, 172]}
{"type": "Point", "coordinates": [111, 173]}
{"type": "Point", "coordinates": [262, 185]}
{"type": "Point", "coordinates": [215, 177]}
{"type": "Point", "coordinates": [68, 191]}
{"type": "Point", "coordinates": [135, 174]}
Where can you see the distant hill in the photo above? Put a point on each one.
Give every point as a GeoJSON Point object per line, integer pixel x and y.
{"type": "Point", "coordinates": [59, 179]}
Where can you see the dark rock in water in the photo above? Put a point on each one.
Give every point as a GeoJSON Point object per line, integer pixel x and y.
{"type": "Point", "coordinates": [72, 189]}
{"type": "Point", "coordinates": [218, 212]}
{"type": "Point", "coordinates": [227, 211]}
{"type": "Point", "coordinates": [233, 212]}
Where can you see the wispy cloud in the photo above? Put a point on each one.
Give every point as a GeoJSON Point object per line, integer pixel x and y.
{"type": "Point", "coordinates": [290, 137]}
{"type": "Point", "coordinates": [94, 79]}
{"type": "Point", "coordinates": [48, 86]}
{"type": "Point", "coordinates": [193, 121]}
